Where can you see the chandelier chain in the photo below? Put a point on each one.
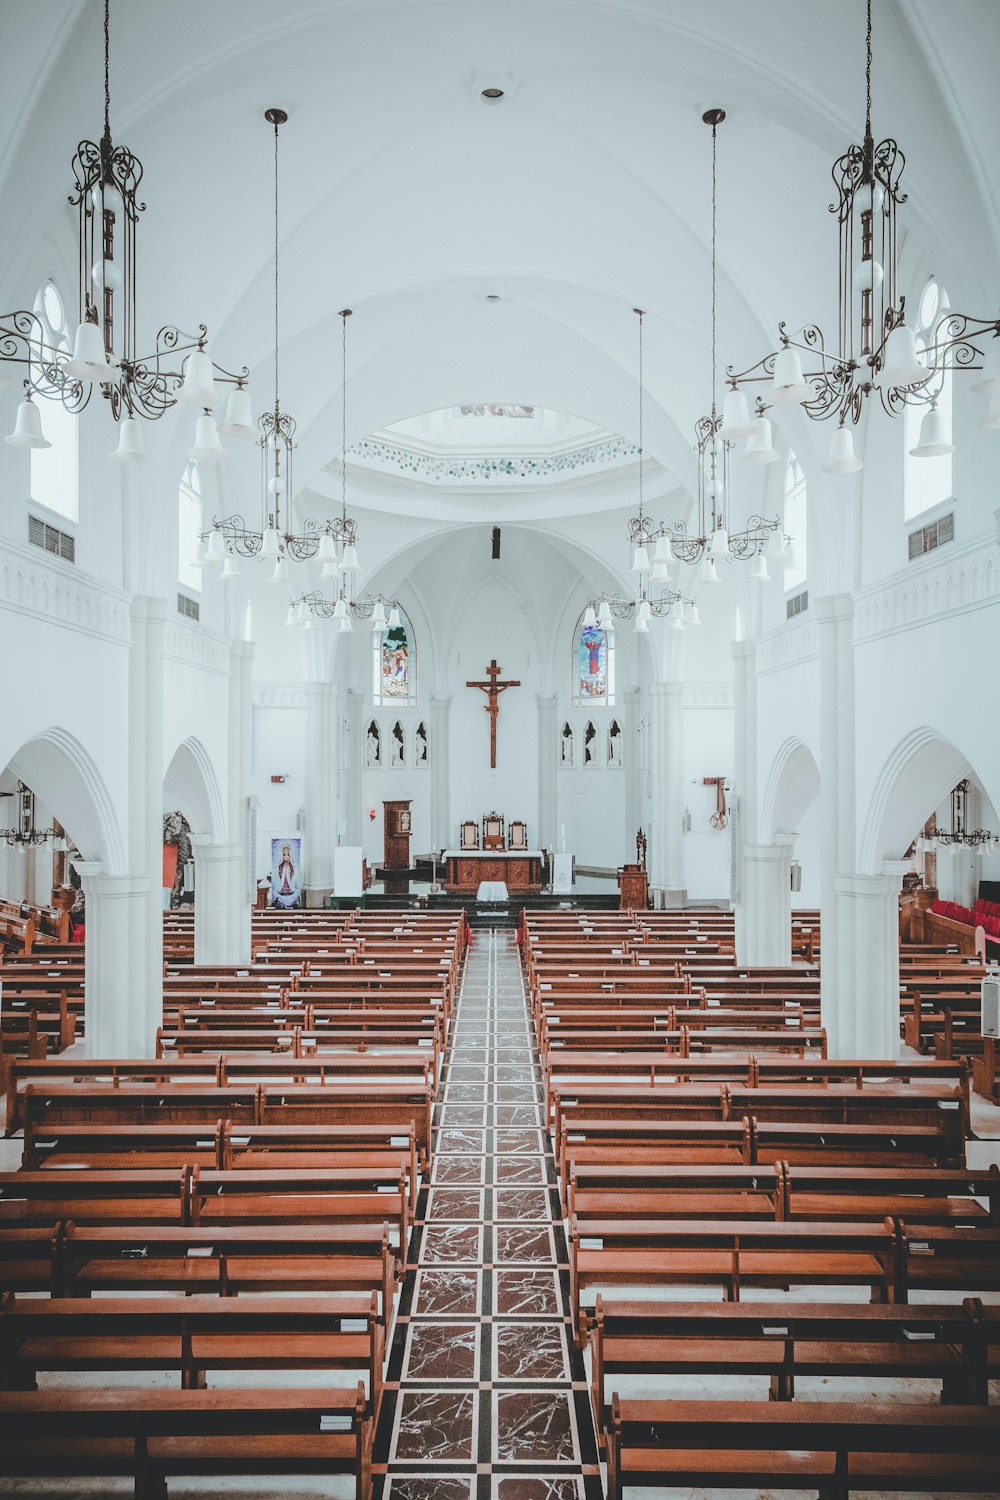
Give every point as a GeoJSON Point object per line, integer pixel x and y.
{"type": "Point", "coordinates": [107, 75]}
{"type": "Point", "coordinates": [714, 365]}
{"type": "Point", "coordinates": [276, 265]}
{"type": "Point", "coordinates": [868, 74]}
{"type": "Point", "coordinates": [343, 415]}
{"type": "Point", "coordinates": [641, 314]}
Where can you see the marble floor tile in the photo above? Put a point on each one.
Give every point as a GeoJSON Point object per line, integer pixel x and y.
{"type": "Point", "coordinates": [463, 1141]}
{"type": "Point", "coordinates": [456, 1205]}
{"type": "Point", "coordinates": [518, 1169]}
{"type": "Point", "coordinates": [530, 1351]}
{"type": "Point", "coordinates": [519, 1292]}
{"type": "Point", "coordinates": [432, 1487]}
{"type": "Point", "coordinates": [446, 1291]}
{"type": "Point", "coordinates": [527, 1142]}
{"type": "Point", "coordinates": [524, 1116]}
{"type": "Point", "coordinates": [524, 1244]}
{"type": "Point", "coordinates": [451, 1243]}
{"type": "Point", "coordinates": [442, 1351]}
{"type": "Point", "coordinates": [466, 1093]}
{"type": "Point", "coordinates": [534, 1427]}
{"type": "Point", "coordinates": [535, 1487]}
{"type": "Point", "coordinates": [454, 1170]}
{"type": "Point", "coordinates": [435, 1427]}
{"type": "Point", "coordinates": [522, 1204]}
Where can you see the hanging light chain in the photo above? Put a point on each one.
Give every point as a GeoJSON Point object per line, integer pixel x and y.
{"type": "Point", "coordinates": [276, 123]}
{"type": "Point", "coordinates": [107, 54]}
{"type": "Point", "coordinates": [345, 314]}
{"type": "Point", "coordinates": [641, 314]}
{"type": "Point", "coordinates": [868, 73]}
{"type": "Point", "coordinates": [714, 364]}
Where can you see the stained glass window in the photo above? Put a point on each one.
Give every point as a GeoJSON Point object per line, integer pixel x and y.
{"type": "Point", "coordinates": [393, 665]}
{"type": "Point", "coordinates": [594, 664]}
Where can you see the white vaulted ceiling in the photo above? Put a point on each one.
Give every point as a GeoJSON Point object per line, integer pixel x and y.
{"type": "Point", "coordinates": [583, 193]}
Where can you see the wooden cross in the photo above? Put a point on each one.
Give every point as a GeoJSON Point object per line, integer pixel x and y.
{"type": "Point", "coordinates": [493, 689]}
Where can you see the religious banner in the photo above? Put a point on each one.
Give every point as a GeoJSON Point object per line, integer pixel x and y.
{"type": "Point", "coordinates": [286, 868]}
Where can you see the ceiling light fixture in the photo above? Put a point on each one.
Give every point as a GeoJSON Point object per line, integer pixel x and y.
{"type": "Point", "coordinates": [25, 832]}
{"type": "Point", "coordinates": [644, 533]}
{"type": "Point", "coordinates": [107, 180]}
{"type": "Point", "coordinates": [876, 349]}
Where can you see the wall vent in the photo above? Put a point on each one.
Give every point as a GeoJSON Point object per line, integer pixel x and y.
{"type": "Point", "coordinates": [59, 543]}
{"type": "Point", "coordinates": [796, 604]}
{"type": "Point", "coordinates": [926, 538]}
{"type": "Point", "coordinates": [189, 608]}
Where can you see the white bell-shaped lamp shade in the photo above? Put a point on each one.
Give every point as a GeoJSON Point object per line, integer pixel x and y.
{"type": "Point", "coordinates": [311, 622]}
{"type": "Point", "coordinates": [378, 616]}
{"type": "Point", "coordinates": [200, 559]}
{"type": "Point", "coordinates": [676, 621]}
{"type": "Point", "coordinates": [841, 459]}
{"type": "Point", "coordinates": [327, 548]}
{"type": "Point", "coordinates": [215, 552]}
{"type": "Point", "coordinates": [304, 612]}
{"type": "Point", "coordinates": [271, 544]}
{"type": "Point", "coordinates": [692, 616]}
{"type": "Point", "coordinates": [990, 422]}
{"type": "Point", "coordinates": [789, 387]}
{"type": "Point", "coordinates": [231, 567]}
{"type": "Point", "coordinates": [640, 561]}
{"type": "Point", "coordinates": [238, 419]}
{"type": "Point", "coordinates": [131, 445]}
{"type": "Point", "coordinates": [207, 447]}
{"type": "Point", "coordinates": [346, 625]}
{"type": "Point", "coordinates": [198, 387]}
{"type": "Point", "coordinates": [719, 545]}
{"type": "Point", "coordinates": [349, 561]}
{"type": "Point", "coordinates": [292, 618]}
{"type": "Point", "coordinates": [901, 362]}
{"type": "Point", "coordinates": [934, 440]}
{"type": "Point", "coordinates": [280, 574]}
{"type": "Point", "coordinates": [759, 573]}
{"type": "Point", "coordinates": [329, 569]}
{"type": "Point", "coordinates": [662, 557]}
{"type": "Point", "coordinates": [775, 547]}
{"type": "Point", "coordinates": [736, 419]}
{"type": "Point", "coordinates": [89, 360]}
{"type": "Point", "coordinates": [707, 572]}
{"type": "Point", "coordinates": [395, 623]}
{"type": "Point", "coordinates": [988, 383]}
{"type": "Point", "coordinates": [760, 449]}
{"type": "Point", "coordinates": [604, 615]}
{"type": "Point", "coordinates": [642, 618]}
{"type": "Point", "coordinates": [28, 428]}
{"type": "Point", "coordinates": [340, 608]}
{"type": "Point", "coordinates": [590, 618]}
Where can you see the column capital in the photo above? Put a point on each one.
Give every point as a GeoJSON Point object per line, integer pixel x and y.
{"type": "Point", "coordinates": [833, 608]}
{"type": "Point", "coordinates": [207, 848]}
{"type": "Point", "coordinates": [870, 887]}
{"type": "Point", "coordinates": [780, 849]}
{"type": "Point", "coordinates": [144, 607]}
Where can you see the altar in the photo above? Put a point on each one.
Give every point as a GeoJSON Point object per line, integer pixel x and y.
{"type": "Point", "coordinates": [466, 869]}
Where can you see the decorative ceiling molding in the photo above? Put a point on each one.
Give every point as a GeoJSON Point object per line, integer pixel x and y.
{"type": "Point", "coordinates": [611, 454]}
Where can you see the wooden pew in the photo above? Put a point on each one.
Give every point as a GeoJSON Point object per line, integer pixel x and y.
{"type": "Point", "coordinates": [153, 1434]}
{"type": "Point", "coordinates": [835, 1447]}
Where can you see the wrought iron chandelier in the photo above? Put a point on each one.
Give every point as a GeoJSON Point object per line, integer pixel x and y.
{"type": "Point", "coordinates": [25, 833]}
{"type": "Point", "coordinates": [760, 538]}
{"type": "Point", "coordinates": [107, 180]}
{"type": "Point", "coordinates": [959, 832]}
{"type": "Point", "coordinates": [644, 533]}
{"type": "Point", "coordinates": [343, 528]}
{"type": "Point", "coordinates": [876, 349]}
{"type": "Point", "coordinates": [229, 537]}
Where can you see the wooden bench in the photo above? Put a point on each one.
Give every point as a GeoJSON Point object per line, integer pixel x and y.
{"type": "Point", "coordinates": [154, 1434]}
{"type": "Point", "coordinates": [192, 1336]}
{"type": "Point", "coordinates": [833, 1447]}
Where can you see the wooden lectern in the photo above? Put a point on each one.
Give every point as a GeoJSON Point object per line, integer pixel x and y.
{"type": "Point", "coordinates": [633, 888]}
{"type": "Point", "coordinates": [396, 847]}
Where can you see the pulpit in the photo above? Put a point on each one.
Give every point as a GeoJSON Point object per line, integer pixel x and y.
{"type": "Point", "coordinates": [633, 888]}
{"type": "Point", "coordinates": [396, 847]}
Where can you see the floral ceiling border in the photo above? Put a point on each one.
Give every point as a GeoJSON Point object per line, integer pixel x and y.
{"type": "Point", "coordinates": [491, 470]}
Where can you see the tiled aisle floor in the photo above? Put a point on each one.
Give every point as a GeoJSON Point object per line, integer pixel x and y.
{"type": "Point", "coordinates": [486, 1397]}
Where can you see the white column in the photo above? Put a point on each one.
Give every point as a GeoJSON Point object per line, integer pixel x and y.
{"type": "Point", "coordinates": [320, 804]}
{"type": "Point", "coordinates": [767, 903]}
{"type": "Point", "coordinates": [351, 810]}
{"type": "Point", "coordinates": [743, 824]}
{"type": "Point", "coordinates": [868, 921]}
{"type": "Point", "coordinates": [548, 764]}
{"type": "Point", "coordinates": [145, 776]}
{"type": "Point", "coordinates": [440, 758]}
{"type": "Point", "coordinates": [630, 751]}
{"type": "Point", "coordinates": [835, 614]}
{"type": "Point", "coordinates": [220, 924]}
{"type": "Point", "coordinates": [666, 833]}
{"type": "Point", "coordinates": [116, 1013]}
{"type": "Point", "coordinates": [242, 877]}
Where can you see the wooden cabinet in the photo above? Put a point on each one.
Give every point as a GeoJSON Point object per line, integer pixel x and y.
{"type": "Point", "coordinates": [633, 888]}
{"type": "Point", "coordinates": [396, 830]}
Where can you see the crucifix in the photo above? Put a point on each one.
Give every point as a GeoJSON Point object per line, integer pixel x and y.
{"type": "Point", "coordinates": [493, 689]}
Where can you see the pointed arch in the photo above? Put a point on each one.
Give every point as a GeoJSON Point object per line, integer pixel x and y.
{"type": "Point", "coordinates": [593, 665]}
{"type": "Point", "coordinates": [394, 663]}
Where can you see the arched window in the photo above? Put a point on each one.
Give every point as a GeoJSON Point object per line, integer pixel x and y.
{"type": "Point", "coordinates": [53, 479]}
{"type": "Point", "coordinates": [928, 481]}
{"type": "Point", "coordinates": [394, 677]}
{"type": "Point", "coordinates": [593, 665]}
{"type": "Point", "coordinates": [796, 523]}
{"type": "Point", "coordinates": [188, 527]}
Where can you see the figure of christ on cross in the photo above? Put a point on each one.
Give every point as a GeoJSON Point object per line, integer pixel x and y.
{"type": "Point", "coordinates": [493, 689]}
